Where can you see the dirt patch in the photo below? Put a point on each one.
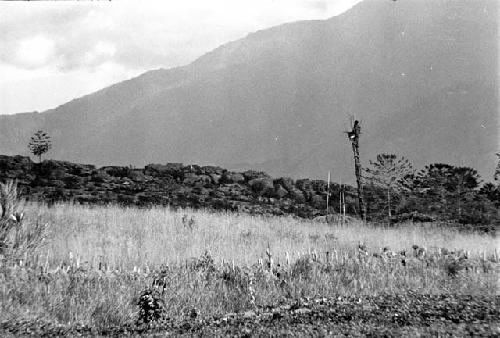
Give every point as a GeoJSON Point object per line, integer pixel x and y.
{"type": "Point", "coordinates": [387, 315]}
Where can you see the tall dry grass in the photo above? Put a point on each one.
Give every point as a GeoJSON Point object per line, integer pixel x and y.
{"type": "Point", "coordinates": [63, 284]}
{"type": "Point", "coordinates": [128, 237]}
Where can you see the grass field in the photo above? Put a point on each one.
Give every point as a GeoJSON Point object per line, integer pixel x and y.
{"type": "Point", "coordinates": [97, 260]}
{"type": "Point", "coordinates": [128, 237]}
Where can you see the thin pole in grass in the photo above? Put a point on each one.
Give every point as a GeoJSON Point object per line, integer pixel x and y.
{"type": "Point", "coordinates": [315, 256]}
{"type": "Point", "coordinates": [343, 206]}
{"type": "Point", "coordinates": [269, 256]}
{"type": "Point", "coordinates": [47, 260]}
{"type": "Point", "coordinates": [35, 261]}
{"type": "Point", "coordinates": [342, 217]}
{"type": "Point", "coordinates": [340, 200]}
{"type": "Point", "coordinates": [327, 195]}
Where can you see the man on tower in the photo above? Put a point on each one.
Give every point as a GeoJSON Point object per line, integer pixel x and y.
{"type": "Point", "coordinates": [354, 134]}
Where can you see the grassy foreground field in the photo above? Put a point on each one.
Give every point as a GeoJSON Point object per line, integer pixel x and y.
{"type": "Point", "coordinates": [99, 264]}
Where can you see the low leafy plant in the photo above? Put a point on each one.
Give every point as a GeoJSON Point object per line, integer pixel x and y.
{"type": "Point", "coordinates": [453, 267]}
{"type": "Point", "coordinates": [302, 268]}
{"type": "Point", "coordinates": [151, 307]}
{"type": "Point", "coordinates": [188, 223]}
{"type": "Point", "coordinates": [204, 263]}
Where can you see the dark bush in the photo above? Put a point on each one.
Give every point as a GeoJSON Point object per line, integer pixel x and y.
{"type": "Point", "coordinates": [151, 307]}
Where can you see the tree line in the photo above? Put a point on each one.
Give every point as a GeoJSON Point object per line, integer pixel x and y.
{"type": "Point", "coordinates": [394, 191]}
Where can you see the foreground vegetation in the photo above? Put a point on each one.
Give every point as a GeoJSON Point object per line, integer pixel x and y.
{"type": "Point", "coordinates": [105, 267]}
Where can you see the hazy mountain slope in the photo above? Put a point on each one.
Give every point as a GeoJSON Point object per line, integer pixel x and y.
{"type": "Point", "coordinates": [422, 76]}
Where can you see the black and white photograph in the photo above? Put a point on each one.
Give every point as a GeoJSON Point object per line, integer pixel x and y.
{"type": "Point", "coordinates": [249, 168]}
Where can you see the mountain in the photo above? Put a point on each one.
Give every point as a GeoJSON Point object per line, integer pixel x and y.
{"type": "Point", "coordinates": [421, 76]}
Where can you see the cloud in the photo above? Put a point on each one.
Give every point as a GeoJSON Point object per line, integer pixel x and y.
{"type": "Point", "coordinates": [158, 32]}
{"type": "Point", "coordinates": [34, 51]}
{"type": "Point", "coordinates": [40, 89]}
{"type": "Point", "coordinates": [64, 40]}
{"type": "Point", "coordinates": [103, 51]}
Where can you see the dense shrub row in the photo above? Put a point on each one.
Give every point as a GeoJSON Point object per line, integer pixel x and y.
{"type": "Point", "coordinates": [439, 192]}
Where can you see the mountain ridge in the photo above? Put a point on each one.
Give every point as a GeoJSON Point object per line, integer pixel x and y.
{"type": "Point", "coordinates": [271, 99]}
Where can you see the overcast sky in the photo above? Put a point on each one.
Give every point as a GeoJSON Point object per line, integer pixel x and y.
{"type": "Point", "coordinates": [54, 51]}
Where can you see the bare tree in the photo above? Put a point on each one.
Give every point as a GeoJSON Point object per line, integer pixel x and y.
{"type": "Point", "coordinates": [353, 136]}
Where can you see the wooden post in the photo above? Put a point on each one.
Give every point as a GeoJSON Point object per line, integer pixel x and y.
{"type": "Point", "coordinates": [354, 138]}
{"type": "Point", "coordinates": [389, 204]}
{"type": "Point", "coordinates": [341, 203]}
{"type": "Point", "coordinates": [327, 195]}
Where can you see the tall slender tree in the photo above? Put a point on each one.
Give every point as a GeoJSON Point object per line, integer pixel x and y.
{"type": "Point", "coordinates": [39, 144]}
{"type": "Point", "coordinates": [390, 173]}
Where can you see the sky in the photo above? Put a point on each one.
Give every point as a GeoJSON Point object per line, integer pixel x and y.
{"type": "Point", "coordinates": [54, 51]}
